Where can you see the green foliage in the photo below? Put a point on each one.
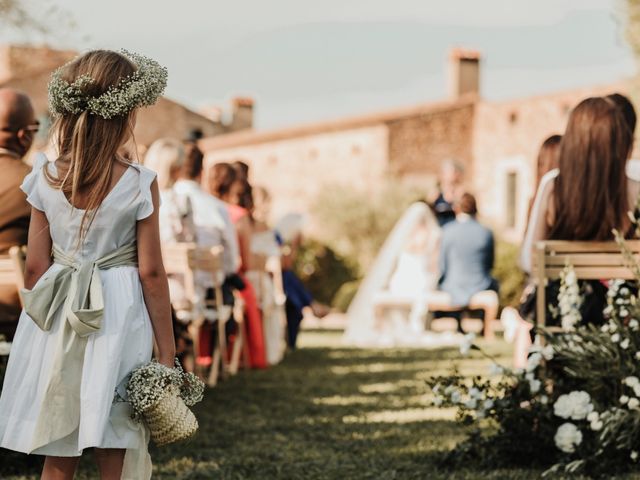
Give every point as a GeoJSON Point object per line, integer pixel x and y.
{"type": "Point", "coordinates": [511, 278]}
{"type": "Point", "coordinates": [576, 406]}
{"type": "Point", "coordinates": [344, 296]}
{"type": "Point", "coordinates": [355, 223]}
{"type": "Point", "coordinates": [322, 270]}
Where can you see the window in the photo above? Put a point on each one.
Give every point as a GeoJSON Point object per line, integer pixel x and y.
{"type": "Point", "coordinates": [512, 199]}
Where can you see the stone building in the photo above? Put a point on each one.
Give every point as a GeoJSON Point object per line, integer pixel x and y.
{"type": "Point", "coordinates": [497, 142]}
{"type": "Point", "coordinates": [28, 68]}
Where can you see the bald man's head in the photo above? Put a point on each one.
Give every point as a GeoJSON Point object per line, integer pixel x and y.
{"type": "Point", "coordinates": [17, 120]}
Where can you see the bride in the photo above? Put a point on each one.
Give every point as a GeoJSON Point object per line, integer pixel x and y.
{"type": "Point", "coordinates": [390, 306]}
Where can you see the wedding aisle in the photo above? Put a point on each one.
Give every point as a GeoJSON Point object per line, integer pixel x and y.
{"type": "Point", "coordinates": [326, 413]}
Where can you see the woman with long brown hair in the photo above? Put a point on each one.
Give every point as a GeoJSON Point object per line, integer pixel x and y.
{"type": "Point", "coordinates": [590, 195]}
{"type": "Point", "coordinates": [97, 293]}
{"type": "Point", "coordinates": [225, 185]}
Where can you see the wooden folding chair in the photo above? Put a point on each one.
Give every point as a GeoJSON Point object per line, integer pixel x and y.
{"type": "Point", "coordinates": [590, 261]}
{"type": "Point", "coordinates": [186, 259]}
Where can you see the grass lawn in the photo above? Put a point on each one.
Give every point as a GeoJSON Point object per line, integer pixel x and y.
{"type": "Point", "coordinates": [326, 412]}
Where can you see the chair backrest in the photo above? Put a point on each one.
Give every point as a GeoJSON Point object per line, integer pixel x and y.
{"type": "Point", "coordinates": [590, 261]}
{"type": "Point", "coordinates": [12, 268]}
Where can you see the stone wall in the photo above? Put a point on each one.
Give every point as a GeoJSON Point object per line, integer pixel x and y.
{"type": "Point", "coordinates": [296, 169]}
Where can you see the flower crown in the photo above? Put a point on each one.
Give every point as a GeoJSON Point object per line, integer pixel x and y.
{"type": "Point", "coordinates": [140, 89]}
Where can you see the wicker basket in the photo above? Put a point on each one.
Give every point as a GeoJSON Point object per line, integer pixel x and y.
{"type": "Point", "coordinates": [170, 420]}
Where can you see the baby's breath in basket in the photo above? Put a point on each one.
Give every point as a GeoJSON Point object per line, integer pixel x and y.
{"type": "Point", "coordinates": [161, 396]}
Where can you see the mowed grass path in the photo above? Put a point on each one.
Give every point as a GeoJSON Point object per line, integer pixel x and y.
{"type": "Point", "coordinates": [326, 412]}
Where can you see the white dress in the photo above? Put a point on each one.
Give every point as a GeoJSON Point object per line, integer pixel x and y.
{"type": "Point", "coordinates": [123, 343]}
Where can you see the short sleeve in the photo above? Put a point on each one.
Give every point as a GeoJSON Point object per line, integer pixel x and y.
{"type": "Point", "coordinates": [31, 182]}
{"type": "Point", "coordinates": [145, 204]}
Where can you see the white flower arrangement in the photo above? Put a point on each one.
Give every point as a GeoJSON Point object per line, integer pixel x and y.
{"type": "Point", "coordinates": [568, 437]}
{"type": "Point", "coordinates": [575, 405]}
{"type": "Point", "coordinates": [142, 88]}
{"type": "Point", "coordinates": [148, 384]}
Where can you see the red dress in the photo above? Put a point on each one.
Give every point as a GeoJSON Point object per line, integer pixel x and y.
{"type": "Point", "coordinates": [253, 317]}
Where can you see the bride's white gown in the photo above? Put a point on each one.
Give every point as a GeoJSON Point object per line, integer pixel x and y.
{"type": "Point", "coordinates": [399, 281]}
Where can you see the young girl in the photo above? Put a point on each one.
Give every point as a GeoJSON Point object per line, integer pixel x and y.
{"type": "Point", "coordinates": [96, 291]}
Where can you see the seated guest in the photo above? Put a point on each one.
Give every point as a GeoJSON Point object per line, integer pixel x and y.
{"type": "Point", "coordinates": [212, 227]}
{"type": "Point", "coordinates": [225, 185]}
{"type": "Point", "coordinates": [466, 260]}
{"type": "Point", "coordinates": [166, 157]}
{"type": "Point", "coordinates": [591, 192]}
{"type": "Point", "coordinates": [18, 127]}
{"type": "Point", "coordinates": [266, 276]}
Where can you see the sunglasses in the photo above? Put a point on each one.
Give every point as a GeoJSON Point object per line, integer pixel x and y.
{"type": "Point", "coordinates": [33, 128]}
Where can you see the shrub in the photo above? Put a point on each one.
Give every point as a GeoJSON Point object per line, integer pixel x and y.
{"type": "Point", "coordinates": [506, 271]}
{"type": "Point", "coordinates": [322, 270]}
{"type": "Point", "coordinates": [344, 296]}
{"type": "Point", "coordinates": [356, 223]}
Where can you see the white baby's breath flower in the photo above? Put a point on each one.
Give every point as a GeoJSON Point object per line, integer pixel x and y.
{"type": "Point", "coordinates": [633, 404]}
{"type": "Point", "coordinates": [624, 399]}
{"type": "Point", "coordinates": [633, 324]}
{"type": "Point", "coordinates": [568, 437]}
{"type": "Point", "coordinates": [604, 328]}
{"type": "Point", "coordinates": [437, 401]}
{"type": "Point", "coordinates": [624, 344]}
{"type": "Point", "coordinates": [544, 399]}
{"type": "Point", "coordinates": [615, 338]}
{"type": "Point", "coordinates": [634, 455]}
{"type": "Point", "coordinates": [5, 348]}
{"type": "Point", "coordinates": [471, 404]}
{"type": "Point", "coordinates": [455, 396]}
{"type": "Point", "coordinates": [631, 381]}
{"type": "Point", "coordinates": [593, 416]}
{"type": "Point", "coordinates": [488, 404]}
{"type": "Point", "coordinates": [624, 312]}
{"type": "Point", "coordinates": [637, 355]}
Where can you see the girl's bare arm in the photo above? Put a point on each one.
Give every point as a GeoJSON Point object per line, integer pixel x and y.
{"type": "Point", "coordinates": [39, 248]}
{"type": "Point", "coordinates": [154, 281]}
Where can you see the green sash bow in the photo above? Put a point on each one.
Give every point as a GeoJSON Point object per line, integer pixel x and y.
{"type": "Point", "coordinates": [78, 289]}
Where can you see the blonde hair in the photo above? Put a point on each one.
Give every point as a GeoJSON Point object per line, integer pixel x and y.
{"type": "Point", "coordinates": [164, 156]}
{"type": "Point", "coordinates": [88, 144]}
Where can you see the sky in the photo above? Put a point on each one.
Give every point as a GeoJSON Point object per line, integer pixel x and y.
{"type": "Point", "coordinates": [311, 60]}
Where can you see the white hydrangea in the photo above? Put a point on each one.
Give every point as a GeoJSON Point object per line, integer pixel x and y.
{"type": "Point", "coordinates": [631, 381]}
{"type": "Point", "coordinates": [575, 405]}
{"type": "Point", "coordinates": [568, 437]}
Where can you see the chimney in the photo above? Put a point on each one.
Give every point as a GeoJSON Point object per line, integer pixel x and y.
{"type": "Point", "coordinates": [464, 73]}
{"type": "Point", "coordinates": [242, 113]}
